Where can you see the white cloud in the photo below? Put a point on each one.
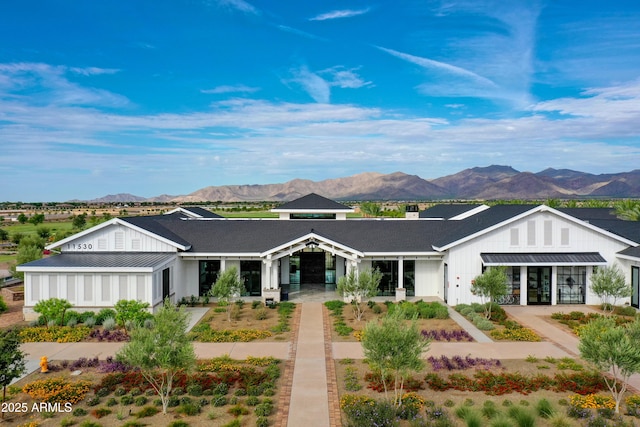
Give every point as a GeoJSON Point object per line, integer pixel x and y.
{"type": "Point", "coordinates": [343, 78]}
{"type": "Point", "coordinates": [339, 14]}
{"type": "Point", "coordinates": [93, 71]}
{"type": "Point", "coordinates": [596, 131]}
{"type": "Point", "coordinates": [239, 5]}
{"type": "Point", "coordinates": [430, 64]}
{"type": "Point", "coordinates": [231, 89]}
{"type": "Point", "coordinates": [288, 29]}
{"type": "Point", "coordinates": [312, 83]}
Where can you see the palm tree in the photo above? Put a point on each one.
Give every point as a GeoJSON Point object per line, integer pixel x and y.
{"type": "Point", "coordinates": [628, 209]}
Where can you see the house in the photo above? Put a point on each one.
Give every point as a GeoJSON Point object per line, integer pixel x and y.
{"type": "Point", "coordinates": [550, 254]}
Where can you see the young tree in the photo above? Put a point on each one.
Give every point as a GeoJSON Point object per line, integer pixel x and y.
{"type": "Point", "coordinates": [12, 363]}
{"type": "Point", "coordinates": [394, 348]}
{"type": "Point", "coordinates": [613, 349]}
{"type": "Point", "coordinates": [52, 309]}
{"type": "Point", "coordinates": [29, 249]}
{"type": "Point", "coordinates": [358, 287]}
{"type": "Point", "coordinates": [162, 351]}
{"type": "Point", "coordinates": [4, 234]}
{"type": "Point", "coordinates": [22, 218]}
{"type": "Point", "coordinates": [131, 311]}
{"type": "Point", "coordinates": [227, 287]}
{"type": "Point", "coordinates": [609, 284]}
{"type": "Point", "coordinates": [490, 285]}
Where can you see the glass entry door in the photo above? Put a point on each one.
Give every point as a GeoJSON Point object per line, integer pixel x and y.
{"type": "Point", "coordinates": [312, 268]}
{"type": "Point", "coordinates": [538, 285]}
{"type": "Point", "coordinates": [635, 286]}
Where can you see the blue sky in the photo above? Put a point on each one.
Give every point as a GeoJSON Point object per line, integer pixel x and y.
{"type": "Point", "coordinates": [158, 97]}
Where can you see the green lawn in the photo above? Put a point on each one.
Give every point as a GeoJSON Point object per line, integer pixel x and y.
{"type": "Point", "coordinates": [28, 228]}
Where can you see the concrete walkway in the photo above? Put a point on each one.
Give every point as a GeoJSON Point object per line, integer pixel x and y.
{"type": "Point", "coordinates": [309, 406]}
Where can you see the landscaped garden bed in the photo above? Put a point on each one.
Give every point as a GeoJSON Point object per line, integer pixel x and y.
{"type": "Point", "coordinates": [245, 322]}
{"type": "Point", "coordinates": [573, 320]}
{"type": "Point", "coordinates": [221, 391]}
{"type": "Point", "coordinates": [432, 319]}
{"type": "Point", "coordinates": [498, 326]}
{"type": "Point", "coordinates": [463, 391]}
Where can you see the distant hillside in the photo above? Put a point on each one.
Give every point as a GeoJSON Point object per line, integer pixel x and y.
{"type": "Point", "coordinates": [482, 183]}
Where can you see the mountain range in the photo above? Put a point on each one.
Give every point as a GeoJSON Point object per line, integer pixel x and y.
{"type": "Point", "coordinates": [479, 183]}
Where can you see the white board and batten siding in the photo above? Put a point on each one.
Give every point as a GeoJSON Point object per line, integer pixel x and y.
{"type": "Point", "coordinates": [117, 238]}
{"type": "Point", "coordinates": [541, 232]}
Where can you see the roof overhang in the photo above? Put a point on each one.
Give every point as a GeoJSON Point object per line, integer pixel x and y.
{"type": "Point", "coordinates": [541, 208]}
{"type": "Point", "coordinates": [312, 240]}
{"type": "Point", "coordinates": [543, 259]}
{"type": "Point", "coordinates": [116, 221]}
{"type": "Point", "coordinates": [93, 262]}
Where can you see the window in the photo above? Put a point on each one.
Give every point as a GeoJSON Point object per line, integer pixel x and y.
{"type": "Point", "coordinates": [140, 287]}
{"type": "Point", "coordinates": [564, 236]}
{"type": "Point", "coordinates": [409, 273]}
{"type": "Point", "coordinates": [208, 275]}
{"type": "Point", "coordinates": [389, 282]}
{"type": "Point", "coordinates": [35, 287]}
{"type": "Point", "coordinates": [250, 275]}
{"type": "Point", "coordinates": [572, 282]}
{"type": "Point", "coordinates": [635, 285]}
{"type": "Point", "coordinates": [312, 216]}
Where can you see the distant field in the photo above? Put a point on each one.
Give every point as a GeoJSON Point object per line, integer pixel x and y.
{"type": "Point", "coordinates": [28, 229]}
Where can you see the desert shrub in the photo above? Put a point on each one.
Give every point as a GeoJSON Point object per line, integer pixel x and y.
{"type": "Point", "coordinates": [100, 412]}
{"type": "Point", "coordinates": [109, 324]}
{"type": "Point", "coordinates": [484, 324]}
{"type": "Point", "coordinates": [126, 400]}
{"type": "Point", "coordinates": [262, 422]}
{"type": "Point", "coordinates": [140, 401]}
{"type": "Point", "coordinates": [261, 313]}
{"type": "Point", "coordinates": [625, 311]}
{"type": "Point", "coordinates": [147, 411]}
{"type": "Point", "coordinates": [219, 400]}
{"type": "Point", "coordinates": [362, 411]}
{"type": "Point", "coordinates": [252, 401]}
{"type": "Point", "coordinates": [112, 401]}
{"type": "Point", "coordinates": [189, 409]}
{"type": "Point", "coordinates": [79, 412]}
{"type": "Point", "coordinates": [103, 314]}
{"type": "Point", "coordinates": [238, 410]}
{"type": "Point", "coordinates": [264, 409]}
{"type": "Point", "coordinates": [221, 389]}
{"type": "Point", "coordinates": [194, 390]}
{"type": "Point", "coordinates": [256, 304]}
{"type": "Point", "coordinates": [236, 310]}
{"type": "Point", "coordinates": [177, 391]}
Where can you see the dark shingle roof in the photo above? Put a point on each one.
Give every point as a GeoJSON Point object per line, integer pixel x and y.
{"type": "Point", "coordinates": [587, 214]}
{"type": "Point", "coordinates": [202, 212]}
{"type": "Point", "coordinates": [256, 236]}
{"type": "Point", "coordinates": [481, 221]}
{"type": "Point", "coordinates": [312, 201]}
{"type": "Point", "coordinates": [103, 260]}
{"type": "Point", "coordinates": [633, 252]}
{"type": "Point", "coordinates": [446, 211]}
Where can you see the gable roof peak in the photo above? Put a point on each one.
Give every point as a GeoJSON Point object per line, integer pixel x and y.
{"type": "Point", "coordinates": [310, 202]}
